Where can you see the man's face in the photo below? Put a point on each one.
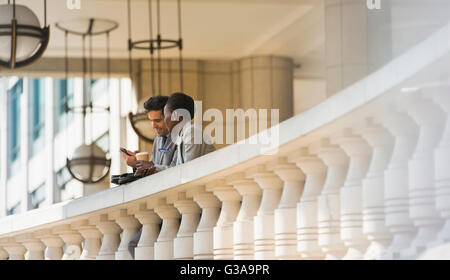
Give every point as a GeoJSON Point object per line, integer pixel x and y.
{"type": "Point", "coordinates": [168, 119]}
{"type": "Point", "coordinates": [157, 119]}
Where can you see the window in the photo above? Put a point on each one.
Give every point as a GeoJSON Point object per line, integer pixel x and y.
{"type": "Point", "coordinates": [103, 142]}
{"type": "Point", "coordinates": [63, 118]}
{"type": "Point", "coordinates": [13, 210]}
{"type": "Point", "coordinates": [63, 177]}
{"type": "Point", "coordinates": [14, 120]}
{"type": "Point", "coordinates": [37, 115]}
{"type": "Point", "coordinates": [37, 106]}
{"type": "Point", "coordinates": [37, 197]}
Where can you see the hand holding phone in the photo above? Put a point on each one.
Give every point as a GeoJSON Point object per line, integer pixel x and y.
{"type": "Point", "coordinates": [125, 151]}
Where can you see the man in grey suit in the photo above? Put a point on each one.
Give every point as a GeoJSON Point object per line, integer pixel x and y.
{"type": "Point", "coordinates": [163, 154]}
{"type": "Point", "coordinates": [178, 113]}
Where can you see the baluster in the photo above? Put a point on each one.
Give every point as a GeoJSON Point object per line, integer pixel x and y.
{"type": "Point", "coordinates": [204, 236]}
{"type": "Point", "coordinates": [150, 221]}
{"type": "Point", "coordinates": [111, 236]}
{"type": "Point", "coordinates": [243, 232]}
{"type": "Point", "coordinates": [53, 243]}
{"type": "Point", "coordinates": [3, 254]}
{"type": "Point", "coordinates": [72, 240]}
{"type": "Point", "coordinates": [170, 224]}
{"type": "Point", "coordinates": [307, 219]}
{"type": "Point", "coordinates": [441, 96]}
{"type": "Point", "coordinates": [329, 206]}
{"type": "Point", "coordinates": [130, 226]}
{"type": "Point", "coordinates": [430, 119]}
{"type": "Point", "coordinates": [190, 217]}
{"type": "Point", "coordinates": [223, 231]}
{"type": "Point", "coordinates": [34, 246]}
{"type": "Point", "coordinates": [92, 242]}
{"type": "Point", "coordinates": [374, 225]}
{"type": "Point", "coordinates": [264, 221]}
{"type": "Point", "coordinates": [351, 194]}
{"type": "Point", "coordinates": [16, 251]}
{"type": "Point", "coordinates": [396, 182]}
{"type": "Point", "coordinates": [286, 213]}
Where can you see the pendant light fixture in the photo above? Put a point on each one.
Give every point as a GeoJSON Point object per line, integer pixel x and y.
{"type": "Point", "coordinates": [22, 40]}
{"type": "Point", "coordinates": [89, 163]}
{"type": "Point", "coordinates": [139, 121]}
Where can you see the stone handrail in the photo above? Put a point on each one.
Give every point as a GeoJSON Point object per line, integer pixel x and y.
{"type": "Point", "coordinates": [363, 175]}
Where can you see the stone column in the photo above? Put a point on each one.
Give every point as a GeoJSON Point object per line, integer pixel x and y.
{"type": "Point", "coordinates": [72, 240]}
{"type": "Point", "coordinates": [307, 222]}
{"type": "Point", "coordinates": [286, 212]}
{"type": "Point", "coordinates": [190, 217]}
{"type": "Point", "coordinates": [430, 119]}
{"type": "Point", "coordinates": [441, 96]}
{"type": "Point", "coordinates": [328, 202]}
{"type": "Point", "coordinates": [164, 246]}
{"type": "Point", "coordinates": [357, 41]}
{"type": "Point", "coordinates": [359, 153]}
{"type": "Point", "coordinates": [34, 246]}
{"type": "Point", "coordinates": [3, 254]}
{"type": "Point", "coordinates": [111, 236]}
{"type": "Point", "coordinates": [53, 243]}
{"type": "Point", "coordinates": [223, 231]}
{"type": "Point", "coordinates": [243, 227]}
{"type": "Point", "coordinates": [16, 251]}
{"type": "Point", "coordinates": [204, 236]}
{"type": "Point", "coordinates": [150, 221]}
{"type": "Point", "coordinates": [92, 242]}
{"type": "Point", "coordinates": [374, 225]}
{"type": "Point", "coordinates": [396, 182]}
{"type": "Point", "coordinates": [264, 221]}
{"type": "Point", "coordinates": [129, 226]}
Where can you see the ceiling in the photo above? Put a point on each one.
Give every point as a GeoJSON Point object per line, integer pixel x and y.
{"type": "Point", "coordinates": [211, 29]}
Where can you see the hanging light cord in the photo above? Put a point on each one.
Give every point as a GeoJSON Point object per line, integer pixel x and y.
{"type": "Point", "coordinates": [159, 47]}
{"type": "Point", "coordinates": [180, 45]}
{"type": "Point", "coordinates": [152, 66]}
{"type": "Point", "coordinates": [45, 13]}
{"type": "Point", "coordinates": [66, 97]}
{"type": "Point", "coordinates": [130, 66]}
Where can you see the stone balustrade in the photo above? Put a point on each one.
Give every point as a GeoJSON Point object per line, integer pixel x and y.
{"type": "Point", "coordinates": [363, 175]}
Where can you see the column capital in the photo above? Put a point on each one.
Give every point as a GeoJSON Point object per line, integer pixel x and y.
{"type": "Point", "coordinates": [124, 219]}
{"type": "Point", "coordinates": [30, 242]}
{"type": "Point", "coordinates": [48, 238]}
{"type": "Point", "coordinates": [223, 191]}
{"type": "Point", "coordinates": [353, 145]}
{"type": "Point", "coordinates": [166, 210]}
{"type": "Point", "coordinates": [105, 224]}
{"type": "Point", "coordinates": [243, 183]}
{"type": "Point", "coordinates": [14, 248]}
{"type": "Point", "coordinates": [185, 205]}
{"type": "Point", "coordinates": [203, 198]}
{"type": "Point", "coordinates": [67, 234]}
{"type": "Point", "coordinates": [145, 215]}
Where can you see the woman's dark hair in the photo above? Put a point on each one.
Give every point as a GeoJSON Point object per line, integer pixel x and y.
{"type": "Point", "coordinates": [156, 103]}
{"type": "Point", "coordinates": [181, 100]}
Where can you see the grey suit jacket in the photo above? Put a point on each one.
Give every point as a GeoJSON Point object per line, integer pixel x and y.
{"type": "Point", "coordinates": [163, 156]}
{"type": "Point", "coordinates": [187, 148]}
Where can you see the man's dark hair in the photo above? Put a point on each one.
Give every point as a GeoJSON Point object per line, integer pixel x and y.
{"type": "Point", "coordinates": [156, 103]}
{"type": "Point", "coordinates": [181, 100]}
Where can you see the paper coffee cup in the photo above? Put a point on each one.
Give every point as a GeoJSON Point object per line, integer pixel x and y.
{"type": "Point", "coordinates": [142, 156]}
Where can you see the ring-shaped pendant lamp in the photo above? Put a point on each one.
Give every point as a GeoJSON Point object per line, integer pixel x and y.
{"type": "Point", "coordinates": [139, 121]}
{"type": "Point", "coordinates": [88, 164]}
{"type": "Point", "coordinates": [22, 40]}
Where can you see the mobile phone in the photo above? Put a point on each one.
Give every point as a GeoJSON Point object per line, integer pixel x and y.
{"type": "Point", "coordinates": [125, 151]}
